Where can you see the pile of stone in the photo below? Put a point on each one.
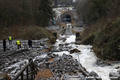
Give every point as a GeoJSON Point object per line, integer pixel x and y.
{"type": "Point", "coordinates": [61, 47]}
{"type": "Point", "coordinates": [41, 62]}
{"type": "Point", "coordinates": [114, 76]}
{"type": "Point", "coordinates": [65, 65]}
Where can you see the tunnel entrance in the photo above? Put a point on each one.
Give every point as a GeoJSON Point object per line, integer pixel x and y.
{"type": "Point", "coordinates": [67, 18]}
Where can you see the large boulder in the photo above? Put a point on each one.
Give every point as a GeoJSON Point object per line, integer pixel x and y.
{"type": "Point", "coordinates": [93, 74]}
{"type": "Point", "coordinates": [74, 50]}
{"type": "Point", "coordinates": [119, 78]}
{"type": "Point", "coordinates": [113, 74]}
{"type": "Point", "coordinates": [118, 67]}
{"type": "Point", "coordinates": [102, 63]}
{"type": "Point", "coordinates": [118, 72]}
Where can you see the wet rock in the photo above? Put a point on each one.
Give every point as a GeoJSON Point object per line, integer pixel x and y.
{"type": "Point", "coordinates": [64, 39]}
{"type": "Point", "coordinates": [74, 50]}
{"type": "Point", "coordinates": [81, 76]}
{"type": "Point", "coordinates": [118, 72]}
{"type": "Point", "coordinates": [93, 74]}
{"type": "Point", "coordinates": [66, 44]}
{"type": "Point", "coordinates": [99, 62]}
{"type": "Point", "coordinates": [118, 67]}
{"type": "Point", "coordinates": [102, 63]}
{"type": "Point", "coordinates": [55, 49]}
{"type": "Point", "coordinates": [113, 74]}
{"type": "Point", "coordinates": [108, 64]}
{"type": "Point", "coordinates": [64, 65]}
{"type": "Point", "coordinates": [119, 78]}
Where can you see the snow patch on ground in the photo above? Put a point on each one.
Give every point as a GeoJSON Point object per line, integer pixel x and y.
{"type": "Point", "coordinates": [17, 67]}
{"type": "Point", "coordinates": [39, 57]}
{"type": "Point", "coordinates": [61, 53]}
{"type": "Point", "coordinates": [70, 39]}
{"type": "Point", "coordinates": [58, 42]}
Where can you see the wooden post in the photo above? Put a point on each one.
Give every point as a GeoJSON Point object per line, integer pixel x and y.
{"type": "Point", "coordinates": [29, 76]}
{"type": "Point", "coordinates": [27, 72]}
{"type": "Point", "coordinates": [31, 68]}
{"type": "Point", "coordinates": [55, 35]}
{"type": "Point", "coordinates": [77, 34]}
{"type": "Point", "coordinates": [22, 76]}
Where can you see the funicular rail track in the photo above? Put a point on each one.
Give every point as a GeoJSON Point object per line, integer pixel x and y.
{"type": "Point", "coordinates": [86, 76]}
{"type": "Point", "coordinates": [28, 72]}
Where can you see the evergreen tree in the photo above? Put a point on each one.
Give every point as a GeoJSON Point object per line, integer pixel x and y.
{"type": "Point", "coordinates": [91, 10]}
{"type": "Point", "coordinates": [45, 9]}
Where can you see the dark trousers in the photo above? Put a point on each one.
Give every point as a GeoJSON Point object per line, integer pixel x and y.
{"type": "Point", "coordinates": [10, 41]}
{"type": "Point", "coordinates": [4, 48]}
{"type": "Point", "coordinates": [19, 46]}
{"type": "Point", "coordinates": [30, 45]}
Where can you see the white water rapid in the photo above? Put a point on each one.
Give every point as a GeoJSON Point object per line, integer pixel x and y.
{"type": "Point", "coordinates": [86, 57]}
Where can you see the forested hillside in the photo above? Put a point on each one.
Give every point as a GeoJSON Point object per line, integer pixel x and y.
{"type": "Point", "coordinates": [25, 12]}
{"type": "Point", "coordinates": [103, 19]}
{"type": "Point", "coordinates": [19, 16]}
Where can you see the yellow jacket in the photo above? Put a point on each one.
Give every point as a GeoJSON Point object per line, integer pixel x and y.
{"type": "Point", "coordinates": [18, 42]}
{"type": "Point", "coordinates": [10, 38]}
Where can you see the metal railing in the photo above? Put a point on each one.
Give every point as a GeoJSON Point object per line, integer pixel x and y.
{"type": "Point", "coordinates": [28, 72]}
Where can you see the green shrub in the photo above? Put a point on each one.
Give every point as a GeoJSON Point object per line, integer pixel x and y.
{"type": "Point", "coordinates": [106, 43]}
{"type": "Point", "coordinates": [105, 39]}
{"type": "Point", "coordinates": [27, 32]}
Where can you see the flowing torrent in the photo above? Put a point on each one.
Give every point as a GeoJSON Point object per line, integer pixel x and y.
{"type": "Point", "coordinates": [86, 57]}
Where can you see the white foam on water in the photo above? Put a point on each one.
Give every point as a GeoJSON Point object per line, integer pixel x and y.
{"type": "Point", "coordinates": [39, 57]}
{"type": "Point", "coordinates": [70, 39]}
{"type": "Point", "coordinates": [87, 58]}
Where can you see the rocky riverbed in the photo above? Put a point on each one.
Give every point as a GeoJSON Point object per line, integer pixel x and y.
{"type": "Point", "coordinates": [66, 57]}
{"type": "Point", "coordinates": [88, 59]}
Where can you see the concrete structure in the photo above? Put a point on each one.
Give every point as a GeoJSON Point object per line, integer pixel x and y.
{"type": "Point", "coordinates": [67, 17]}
